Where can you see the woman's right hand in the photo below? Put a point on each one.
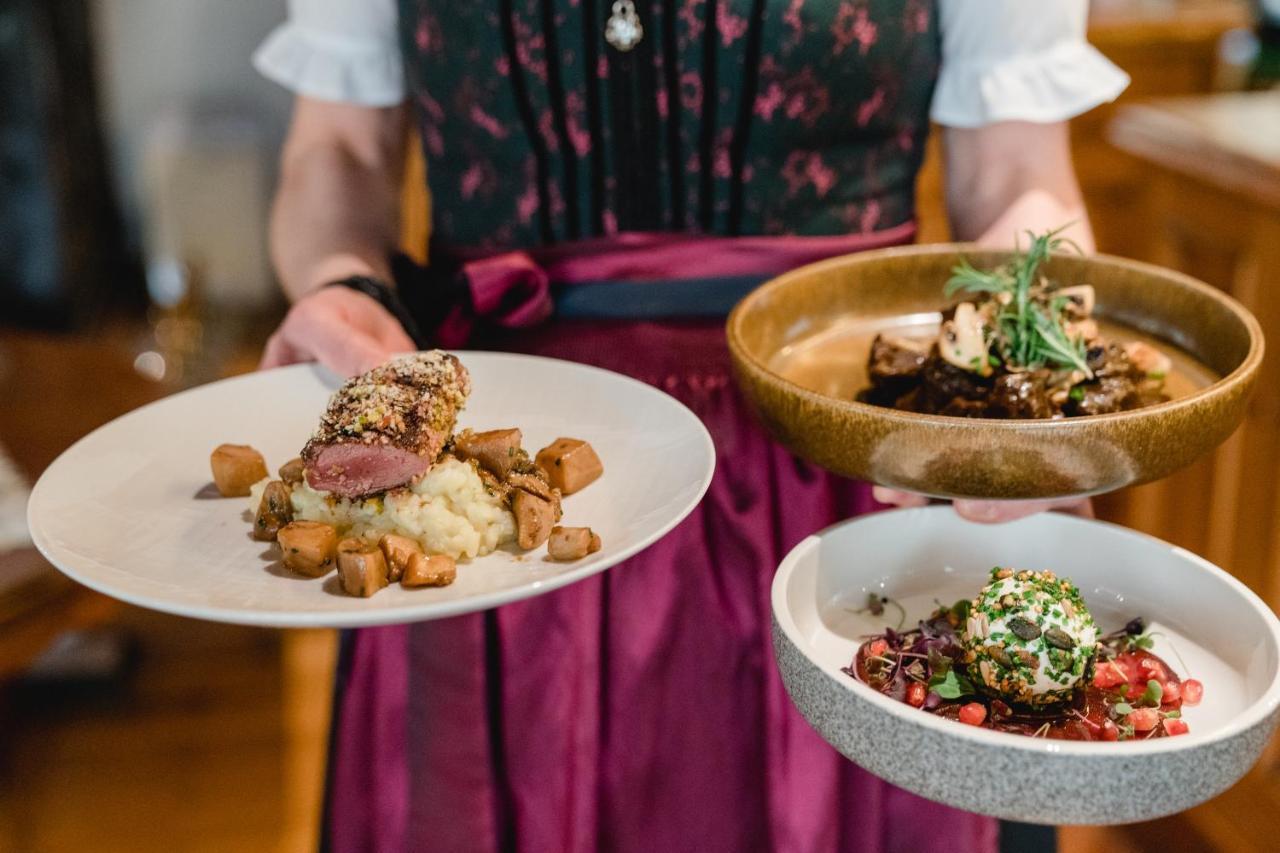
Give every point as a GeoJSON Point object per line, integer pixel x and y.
{"type": "Point", "coordinates": [988, 512]}
{"type": "Point", "coordinates": [343, 329]}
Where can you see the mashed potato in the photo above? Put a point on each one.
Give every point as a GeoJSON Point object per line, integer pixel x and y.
{"type": "Point", "coordinates": [448, 512]}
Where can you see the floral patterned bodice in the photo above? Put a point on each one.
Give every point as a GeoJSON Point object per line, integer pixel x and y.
{"type": "Point", "coordinates": [728, 117]}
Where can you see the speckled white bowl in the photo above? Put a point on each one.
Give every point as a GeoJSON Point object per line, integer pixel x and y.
{"type": "Point", "coordinates": [1213, 628]}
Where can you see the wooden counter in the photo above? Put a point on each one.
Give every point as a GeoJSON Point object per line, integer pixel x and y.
{"type": "Point", "coordinates": [1209, 205]}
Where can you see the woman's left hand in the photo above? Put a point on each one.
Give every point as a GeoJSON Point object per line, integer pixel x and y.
{"type": "Point", "coordinates": [989, 512]}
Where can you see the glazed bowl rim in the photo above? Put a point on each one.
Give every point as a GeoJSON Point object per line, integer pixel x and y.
{"type": "Point", "coordinates": [1251, 715]}
{"type": "Point", "coordinates": [1242, 373]}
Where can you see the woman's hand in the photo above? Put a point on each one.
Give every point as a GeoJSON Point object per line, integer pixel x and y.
{"type": "Point", "coordinates": [989, 512]}
{"type": "Point", "coordinates": [342, 329]}
{"type": "Point", "coordinates": [335, 216]}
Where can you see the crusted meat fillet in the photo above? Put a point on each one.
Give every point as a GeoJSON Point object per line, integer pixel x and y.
{"type": "Point", "coordinates": [385, 428]}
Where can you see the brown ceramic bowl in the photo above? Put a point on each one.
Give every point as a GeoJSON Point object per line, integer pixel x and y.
{"type": "Point", "coordinates": [800, 342]}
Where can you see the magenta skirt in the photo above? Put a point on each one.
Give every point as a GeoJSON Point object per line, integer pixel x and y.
{"type": "Point", "coordinates": [641, 709]}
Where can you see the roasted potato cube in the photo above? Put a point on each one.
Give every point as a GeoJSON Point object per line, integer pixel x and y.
{"type": "Point", "coordinates": [308, 547]}
{"type": "Point", "coordinates": [571, 464]}
{"type": "Point", "coordinates": [535, 517]}
{"type": "Point", "coordinates": [361, 567]}
{"type": "Point", "coordinates": [291, 472]}
{"type": "Point", "coordinates": [433, 570]}
{"type": "Point", "coordinates": [274, 512]}
{"type": "Point", "coordinates": [572, 543]}
{"type": "Point", "coordinates": [236, 467]}
{"type": "Point", "coordinates": [397, 549]}
{"type": "Point", "coordinates": [496, 450]}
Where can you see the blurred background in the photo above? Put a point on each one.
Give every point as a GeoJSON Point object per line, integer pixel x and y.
{"type": "Point", "coordinates": [137, 157]}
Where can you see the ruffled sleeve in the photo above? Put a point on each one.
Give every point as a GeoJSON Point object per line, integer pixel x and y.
{"type": "Point", "coordinates": [1014, 60]}
{"type": "Point", "coordinates": [337, 50]}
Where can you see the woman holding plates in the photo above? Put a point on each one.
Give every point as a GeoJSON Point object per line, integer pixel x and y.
{"type": "Point", "coordinates": [606, 180]}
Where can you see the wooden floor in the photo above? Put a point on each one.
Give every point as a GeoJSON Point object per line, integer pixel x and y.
{"type": "Point", "coordinates": [187, 755]}
{"type": "Point", "coordinates": [205, 746]}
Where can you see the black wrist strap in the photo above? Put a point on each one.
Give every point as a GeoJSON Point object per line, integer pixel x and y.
{"type": "Point", "coordinates": [386, 296]}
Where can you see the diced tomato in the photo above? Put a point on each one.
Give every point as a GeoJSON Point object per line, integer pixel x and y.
{"type": "Point", "coordinates": [1172, 693]}
{"type": "Point", "coordinates": [1134, 691]}
{"type": "Point", "coordinates": [1175, 726]}
{"type": "Point", "coordinates": [1144, 719]}
{"type": "Point", "coordinates": [877, 648]}
{"type": "Point", "coordinates": [915, 694]}
{"type": "Point", "coordinates": [1150, 669]}
{"type": "Point", "coordinates": [1128, 664]}
{"type": "Point", "coordinates": [973, 713]}
{"type": "Point", "coordinates": [1110, 731]}
{"type": "Point", "coordinates": [1192, 692]}
{"type": "Point", "coordinates": [1107, 675]}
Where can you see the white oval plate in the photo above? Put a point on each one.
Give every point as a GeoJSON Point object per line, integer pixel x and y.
{"type": "Point", "coordinates": [127, 509]}
{"type": "Point", "coordinates": [1210, 626]}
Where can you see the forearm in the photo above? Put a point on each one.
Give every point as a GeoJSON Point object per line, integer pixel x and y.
{"type": "Point", "coordinates": [1008, 179]}
{"type": "Point", "coordinates": [336, 209]}
{"type": "Point", "coordinates": [331, 219]}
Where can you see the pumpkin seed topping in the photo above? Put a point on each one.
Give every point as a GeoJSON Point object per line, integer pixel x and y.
{"type": "Point", "coordinates": [1026, 629]}
{"type": "Point", "coordinates": [1059, 638]}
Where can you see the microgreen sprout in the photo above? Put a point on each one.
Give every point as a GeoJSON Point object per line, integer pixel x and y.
{"type": "Point", "coordinates": [950, 685]}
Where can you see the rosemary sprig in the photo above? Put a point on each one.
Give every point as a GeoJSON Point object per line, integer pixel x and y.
{"type": "Point", "coordinates": [1051, 343]}
{"type": "Point", "coordinates": [969, 279]}
{"type": "Point", "coordinates": [1029, 327]}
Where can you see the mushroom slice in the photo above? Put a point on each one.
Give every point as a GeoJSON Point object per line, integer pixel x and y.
{"type": "Point", "coordinates": [1080, 299]}
{"type": "Point", "coordinates": [535, 517]}
{"type": "Point", "coordinates": [497, 450]}
{"type": "Point", "coordinates": [291, 472]}
{"type": "Point", "coordinates": [1148, 359]}
{"type": "Point", "coordinates": [398, 550]}
{"type": "Point", "coordinates": [963, 341]}
{"type": "Point", "coordinates": [535, 485]}
{"type": "Point", "coordinates": [1086, 329]}
{"type": "Point", "coordinates": [274, 512]}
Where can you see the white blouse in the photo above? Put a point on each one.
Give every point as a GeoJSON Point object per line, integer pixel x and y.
{"type": "Point", "coordinates": [1002, 60]}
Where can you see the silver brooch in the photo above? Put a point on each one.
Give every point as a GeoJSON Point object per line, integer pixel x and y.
{"type": "Point", "coordinates": [623, 30]}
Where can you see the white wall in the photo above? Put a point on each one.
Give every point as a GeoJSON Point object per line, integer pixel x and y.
{"type": "Point", "coordinates": [161, 56]}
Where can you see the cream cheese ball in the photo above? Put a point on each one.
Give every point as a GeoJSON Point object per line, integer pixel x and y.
{"type": "Point", "coordinates": [1029, 638]}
